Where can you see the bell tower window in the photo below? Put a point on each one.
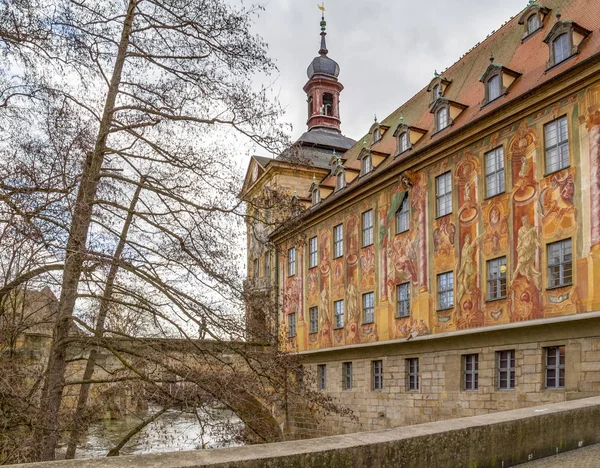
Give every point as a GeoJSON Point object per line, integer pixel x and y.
{"type": "Point", "coordinates": [327, 104]}
{"type": "Point", "coordinates": [310, 106]}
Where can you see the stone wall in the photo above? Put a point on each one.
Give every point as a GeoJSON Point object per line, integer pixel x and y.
{"type": "Point", "coordinates": [441, 395]}
{"type": "Point", "coordinates": [497, 440]}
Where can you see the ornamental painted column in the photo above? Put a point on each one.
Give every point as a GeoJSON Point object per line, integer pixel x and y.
{"type": "Point", "coordinates": [593, 125]}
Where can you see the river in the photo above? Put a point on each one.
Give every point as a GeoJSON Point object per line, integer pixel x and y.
{"type": "Point", "coordinates": [173, 431]}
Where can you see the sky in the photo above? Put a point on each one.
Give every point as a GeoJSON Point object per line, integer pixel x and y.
{"type": "Point", "coordinates": [387, 50]}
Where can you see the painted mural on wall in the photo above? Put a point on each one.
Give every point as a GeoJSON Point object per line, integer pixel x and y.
{"type": "Point", "coordinates": [535, 210]}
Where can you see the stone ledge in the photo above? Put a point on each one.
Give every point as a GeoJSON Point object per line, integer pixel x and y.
{"type": "Point", "coordinates": [494, 440]}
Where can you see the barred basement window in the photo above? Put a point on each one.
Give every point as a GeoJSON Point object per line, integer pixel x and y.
{"type": "Point", "coordinates": [313, 313]}
{"type": "Point", "coordinates": [445, 283]}
{"type": "Point", "coordinates": [292, 325]}
{"type": "Point", "coordinates": [368, 308]}
{"type": "Point", "coordinates": [312, 252]}
{"type": "Point", "coordinates": [560, 264]}
{"type": "Point", "coordinates": [338, 241]}
{"type": "Point", "coordinates": [367, 228]}
{"type": "Point", "coordinates": [494, 172]}
{"type": "Point", "coordinates": [506, 369]}
{"type": "Point", "coordinates": [470, 371]}
{"type": "Point", "coordinates": [338, 310]}
{"type": "Point", "coordinates": [347, 375]}
{"type": "Point", "coordinates": [556, 137]}
{"type": "Point", "coordinates": [402, 217]}
{"type": "Point", "coordinates": [412, 374]}
{"type": "Point", "coordinates": [555, 367]}
{"type": "Point", "coordinates": [322, 376]}
{"type": "Point", "coordinates": [443, 194]}
{"type": "Point", "coordinates": [377, 375]}
{"type": "Point", "coordinates": [403, 298]}
{"type": "Point", "coordinates": [292, 261]}
{"type": "Point", "coordinates": [496, 270]}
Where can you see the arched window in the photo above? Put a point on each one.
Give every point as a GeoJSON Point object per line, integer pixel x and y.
{"type": "Point", "coordinates": [560, 45]}
{"type": "Point", "coordinates": [327, 104]}
{"type": "Point", "coordinates": [367, 164]}
{"type": "Point", "coordinates": [340, 180]}
{"type": "Point", "coordinates": [437, 91]}
{"type": "Point", "coordinates": [494, 87]}
{"type": "Point", "coordinates": [316, 197]}
{"type": "Point", "coordinates": [533, 23]}
{"type": "Point", "coordinates": [310, 106]}
{"type": "Point", "coordinates": [376, 135]}
{"type": "Point", "coordinates": [441, 119]}
{"type": "Point", "coordinates": [404, 142]}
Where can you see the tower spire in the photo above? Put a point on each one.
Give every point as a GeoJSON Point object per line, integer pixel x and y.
{"type": "Point", "coordinates": [323, 50]}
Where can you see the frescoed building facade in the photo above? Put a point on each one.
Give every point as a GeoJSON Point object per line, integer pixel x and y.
{"type": "Point", "coordinates": [448, 262]}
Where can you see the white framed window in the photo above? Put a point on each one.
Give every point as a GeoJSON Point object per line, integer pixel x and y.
{"type": "Point", "coordinates": [506, 369]}
{"type": "Point", "coordinates": [494, 172]}
{"type": "Point", "coordinates": [556, 139]}
{"type": "Point", "coordinates": [338, 241]}
{"type": "Point", "coordinates": [533, 23]}
{"type": "Point", "coordinates": [313, 314]}
{"type": "Point", "coordinates": [316, 196]}
{"type": "Point", "coordinates": [494, 88]}
{"type": "Point", "coordinates": [367, 228]}
{"type": "Point", "coordinates": [377, 374]}
{"type": "Point", "coordinates": [470, 372]}
{"type": "Point", "coordinates": [368, 307]}
{"type": "Point", "coordinates": [404, 142]}
{"type": "Point", "coordinates": [347, 375]}
{"type": "Point", "coordinates": [292, 325]}
{"type": "Point", "coordinates": [402, 217]}
{"type": "Point", "coordinates": [292, 261]}
{"type": "Point", "coordinates": [412, 374]}
{"type": "Point", "coordinates": [338, 311]}
{"type": "Point", "coordinates": [443, 194]}
{"type": "Point", "coordinates": [496, 278]}
{"type": "Point", "coordinates": [560, 46]}
{"type": "Point", "coordinates": [313, 252]}
{"type": "Point", "coordinates": [322, 376]}
{"type": "Point", "coordinates": [560, 264]}
{"type": "Point", "coordinates": [555, 367]}
{"type": "Point", "coordinates": [340, 180]}
{"type": "Point", "coordinates": [367, 164]}
{"type": "Point", "coordinates": [441, 119]}
{"type": "Point", "coordinates": [403, 300]}
{"type": "Point", "coordinates": [445, 292]}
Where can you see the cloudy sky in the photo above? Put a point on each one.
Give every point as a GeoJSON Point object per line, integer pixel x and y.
{"type": "Point", "coordinates": [387, 50]}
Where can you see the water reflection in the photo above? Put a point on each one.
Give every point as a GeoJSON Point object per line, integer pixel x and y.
{"type": "Point", "coordinates": [173, 431]}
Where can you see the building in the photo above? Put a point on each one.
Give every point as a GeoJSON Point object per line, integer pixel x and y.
{"type": "Point", "coordinates": [448, 263]}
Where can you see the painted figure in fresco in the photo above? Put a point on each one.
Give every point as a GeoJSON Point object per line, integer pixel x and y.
{"type": "Point", "coordinates": [527, 245]}
{"type": "Point", "coordinates": [352, 301]}
{"type": "Point", "coordinates": [443, 236]}
{"type": "Point", "coordinates": [558, 198]}
{"type": "Point", "coordinates": [323, 309]}
{"type": "Point", "coordinates": [468, 269]}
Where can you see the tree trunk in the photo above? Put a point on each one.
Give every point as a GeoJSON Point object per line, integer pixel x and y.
{"type": "Point", "coordinates": [99, 329]}
{"type": "Point", "coordinates": [47, 431]}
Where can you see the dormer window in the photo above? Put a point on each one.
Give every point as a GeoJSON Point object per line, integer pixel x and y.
{"type": "Point", "coordinates": [437, 87]}
{"type": "Point", "coordinates": [564, 39]}
{"type": "Point", "coordinates": [441, 119]}
{"type": "Point", "coordinates": [404, 143]}
{"type": "Point", "coordinates": [497, 81]}
{"type": "Point", "coordinates": [367, 164]}
{"type": "Point", "coordinates": [533, 19]}
{"type": "Point", "coordinates": [437, 91]}
{"type": "Point", "coordinates": [407, 136]}
{"type": "Point", "coordinates": [376, 135]}
{"type": "Point", "coordinates": [340, 180]}
{"type": "Point", "coordinates": [316, 197]}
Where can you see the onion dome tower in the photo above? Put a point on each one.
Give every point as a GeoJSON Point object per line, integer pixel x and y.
{"type": "Point", "coordinates": [323, 89]}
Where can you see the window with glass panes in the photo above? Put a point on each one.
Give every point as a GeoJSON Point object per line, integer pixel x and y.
{"type": "Point", "coordinates": [313, 314]}
{"type": "Point", "coordinates": [292, 325]}
{"type": "Point", "coordinates": [367, 228]}
{"type": "Point", "coordinates": [555, 367]}
{"type": "Point", "coordinates": [312, 252]}
{"type": "Point", "coordinates": [338, 312]}
{"type": "Point", "coordinates": [402, 216]}
{"type": "Point", "coordinates": [533, 23]}
{"type": "Point", "coordinates": [445, 284]}
{"type": "Point", "coordinates": [367, 164]}
{"type": "Point", "coordinates": [442, 119]}
{"type": "Point", "coordinates": [341, 181]}
{"type": "Point", "coordinates": [292, 261]}
{"type": "Point", "coordinates": [493, 87]}
{"type": "Point", "coordinates": [494, 172]}
{"type": "Point", "coordinates": [560, 264]}
{"type": "Point", "coordinates": [403, 300]}
{"type": "Point", "coordinates": [560, 46]}
{"type": "Point", "coordinates": [322, 376]}
{"type": "Point", "coordinates": [347, 375]}
{"type": "Point", "coordinates": [377, 375]}
{"type": "Point", "coordinates": [403, 142]}
{"type": "Point", "coordinates": [368, 307]}
{"type": "Point", "coordinates": [470, 371]}
{"type": "Point", "coordinates": [316, 196]}
{"type": "Point", "coordinates": [556, 138]}
{"type": "Point", "coordinates": [506, 369]}
{"type": "Point", "coordinates": [412, 374]}
{"type": "Point", "coordinates": [338, 241]}
{"type": "Point", "coordinates": [496, 278]}
{"type": "Point", "coordinates": [443, 194]}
